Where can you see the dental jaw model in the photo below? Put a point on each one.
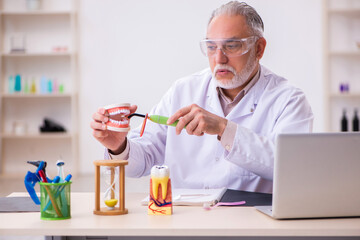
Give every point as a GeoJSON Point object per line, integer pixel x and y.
{"type": "Point", "coordinates": [118, 117]}
{"type": "Point", "coordinates": [160, 201]}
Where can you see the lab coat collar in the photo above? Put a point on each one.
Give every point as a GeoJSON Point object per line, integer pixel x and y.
{"type": "Point", "coordinates": [213, 101]}
{"type": "Point", "coordinates": [246, 106]}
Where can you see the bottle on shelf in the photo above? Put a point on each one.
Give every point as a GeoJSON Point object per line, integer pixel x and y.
{"type": "Point", "coordinates": [33, 86]}
{"type": "Point", "coordinates": [43, 85]}
{"type": "Point", "coordinates": [17, 87]}
{"type": "Point", "coordinates": [344, 122]}
{"type": "Point", "coordinates": [11, 86]}
{"type": "Point", "coordinates": [26, 86]}
{"type": "Point", "coordinates": [50, 86]}
{"type": "Point", "coordinates": [55, 86]}
{"type": "Point", "coordinates": [355, 122]}
{"type": "Point", "coordinates": [344, 87]}
{"type": "Point", "coordinates": [61, 88]}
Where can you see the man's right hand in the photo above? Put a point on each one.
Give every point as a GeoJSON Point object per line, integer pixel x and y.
{"type": "Point", "coordinates": [114, 141]}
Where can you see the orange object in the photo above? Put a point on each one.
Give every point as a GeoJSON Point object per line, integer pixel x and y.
{"type": "Point", "coordinates": [143, 125]}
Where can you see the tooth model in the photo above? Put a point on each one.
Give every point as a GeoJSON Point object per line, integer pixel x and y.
{"type": "Point", "coordinates": [118, 114]}
{"type": "Point", "coordinates": [160, 201]}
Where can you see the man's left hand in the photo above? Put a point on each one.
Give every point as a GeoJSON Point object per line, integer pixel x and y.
{"type": "Point", "coordinates": [198, 121]}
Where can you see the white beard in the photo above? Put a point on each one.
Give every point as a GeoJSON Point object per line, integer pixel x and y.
{"type": "Point", "coordinates": [239, 78]}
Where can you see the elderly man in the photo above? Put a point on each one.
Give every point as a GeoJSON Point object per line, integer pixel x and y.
{"type": "Point", "coordinates": [229, 115]}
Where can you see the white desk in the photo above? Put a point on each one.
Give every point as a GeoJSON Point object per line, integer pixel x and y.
{"type": "Point", "coordinates": [186, 221]}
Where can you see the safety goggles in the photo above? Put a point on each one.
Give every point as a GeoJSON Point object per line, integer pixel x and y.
{"type": "Point", "coordinates": [229, 47]}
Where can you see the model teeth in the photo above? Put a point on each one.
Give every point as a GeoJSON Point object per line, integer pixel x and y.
{"type": "Point", "coordinates": [119, 123]}
{"type": "Point", "coordinates": [122, 111]}
{"type": "Point", "coordinates": [160, 176]}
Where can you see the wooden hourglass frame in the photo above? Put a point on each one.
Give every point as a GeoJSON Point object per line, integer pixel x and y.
{"type": "Point", "coordinates": [110, 163]}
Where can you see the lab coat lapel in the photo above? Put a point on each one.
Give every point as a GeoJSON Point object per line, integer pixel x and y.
{"type": "Point", "coordinates": [245, 107]}
{"type": "Point", "coordinates": [213, 102]}
{"type": "Point", "coordinates": [248, 104]}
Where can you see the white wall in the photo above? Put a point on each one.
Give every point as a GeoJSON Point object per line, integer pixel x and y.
{"type": "Point", "coordinates": [132, 51]}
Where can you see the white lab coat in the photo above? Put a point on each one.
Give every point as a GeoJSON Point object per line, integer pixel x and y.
{"type": "Point", "coordinates": [271, 106]}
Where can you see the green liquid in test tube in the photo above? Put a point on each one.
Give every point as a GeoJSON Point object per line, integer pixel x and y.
{"type": "Point", "coordinates": [61, 88]}
{"type": "Point", "coordinates": [26, 87]}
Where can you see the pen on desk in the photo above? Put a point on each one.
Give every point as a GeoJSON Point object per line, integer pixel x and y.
{"type": "Point", "coordinates": [191, 195]}
{"type": "Point", "coordinates": [194, 195]}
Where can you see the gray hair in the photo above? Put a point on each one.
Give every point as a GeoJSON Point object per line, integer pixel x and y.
{"type": "Point", "coordinates": [235, 8]}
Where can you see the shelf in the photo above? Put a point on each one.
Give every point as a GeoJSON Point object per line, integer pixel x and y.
{"type": "Point", "coordinates": [51, 40]}
{"type": "Point", "coordinates": [34, 13]}
{"type": "Point", "coordinates": [45, 54]}
{"type": "Point", "coordinates": [37, 136]}
{"type": "Point", "coordinates": [344, 11]}
{"type": "Point", "coordinates": [345, 53]}
{"type": "Point", "coordinates": [345, 95]}
{"type": "Point", "coordinates": [36, 95]}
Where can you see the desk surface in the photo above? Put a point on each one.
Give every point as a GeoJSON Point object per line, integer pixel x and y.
{"type": "Point", "coordinates": [186, 221]}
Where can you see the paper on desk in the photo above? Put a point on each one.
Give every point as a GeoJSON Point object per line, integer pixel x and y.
{"type": "Point", "coordinates": [18, 204]}
{"type": "Point", "coordinates": [193, 197]}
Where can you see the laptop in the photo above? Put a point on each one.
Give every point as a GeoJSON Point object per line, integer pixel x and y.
{"type": "Point", "coordinates": [316, 175]}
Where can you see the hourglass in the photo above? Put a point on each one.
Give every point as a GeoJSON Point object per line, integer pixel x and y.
{"type": "Point", "coordinates": [114, 169]}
